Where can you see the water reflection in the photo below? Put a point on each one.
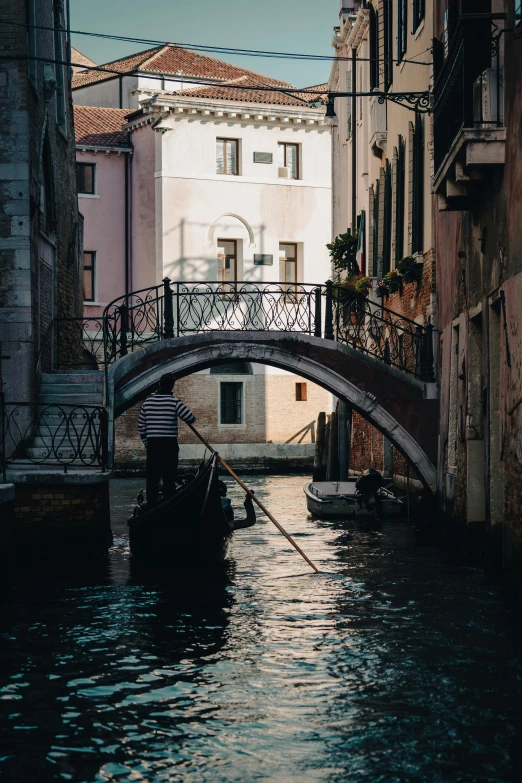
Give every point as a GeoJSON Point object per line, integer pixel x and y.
{"type": "Point", "coordinates": [394, 664]}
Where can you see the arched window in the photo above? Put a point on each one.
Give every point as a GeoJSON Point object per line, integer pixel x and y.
{"type": "Point", "coordinates": [374, 49]}
{"type": "Point", "coordinates": [231, 368]}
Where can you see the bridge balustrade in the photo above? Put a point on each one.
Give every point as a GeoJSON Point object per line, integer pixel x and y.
{"type": "Point", "coordinates": [176, 309]}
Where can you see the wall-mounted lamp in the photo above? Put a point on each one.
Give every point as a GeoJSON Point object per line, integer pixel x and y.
{"type": "Point", "coordinates": [330, 109]}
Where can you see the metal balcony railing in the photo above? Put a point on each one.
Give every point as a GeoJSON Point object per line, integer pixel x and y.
{"type": "Point", "coordinates": [469, 89]}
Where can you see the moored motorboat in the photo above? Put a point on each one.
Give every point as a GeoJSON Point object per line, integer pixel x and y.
{"type": "Point", "coordinates": [191, 527]}
{"type": "Point", "coordinates": [343, 499]}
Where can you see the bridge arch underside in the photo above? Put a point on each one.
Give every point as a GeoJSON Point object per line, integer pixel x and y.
{"type": "Point", "coordinates": [393, 402]}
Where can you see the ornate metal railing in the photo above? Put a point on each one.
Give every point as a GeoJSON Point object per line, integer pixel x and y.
{"type": "Point", "coordinates": [68, 436]}
{"type": "Point", "coordinates": [177, 309]}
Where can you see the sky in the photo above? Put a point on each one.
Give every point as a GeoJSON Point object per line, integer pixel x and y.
{"type": "Point", "coordinates": [297, 26]}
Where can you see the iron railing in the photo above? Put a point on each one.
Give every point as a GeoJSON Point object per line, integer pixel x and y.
{"type": "Point", "coordinates": [177, 309]}
{"type": "Point", "coordinates": [469, 86]}
{"type": "Point", "coordinates": [54, 435]}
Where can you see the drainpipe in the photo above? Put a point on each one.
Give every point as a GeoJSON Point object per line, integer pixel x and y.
{"type": "Point", "coordinates": [127, 242]}
{"type": "Point", "coordinates": [354, 140]}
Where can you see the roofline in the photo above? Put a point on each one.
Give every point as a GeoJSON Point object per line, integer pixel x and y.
{"type": "Point", "coordinates": [100, 148]}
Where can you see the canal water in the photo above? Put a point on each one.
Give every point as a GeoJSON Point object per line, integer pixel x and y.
{"type": "Point", "coordinates": [396, 663]}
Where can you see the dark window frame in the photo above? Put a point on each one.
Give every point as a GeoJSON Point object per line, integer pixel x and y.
{"type": "Point", "coordinates": [518, 11]}
{"type": "Point", "coordinates": [285, 145]}
{"type": "Point", "coordinates": [227, 173]}
{"type": "Point", "coordinates": [387, 219]}
{"type": "Point", "coordinates": [419, 12]}
{"type": "Point", "coordinates": [81, 166]}
{"type": "Point", "coordinates": [402, 29]}
{"type": "Point", "coordinates": [301, 392]}
{"type": "Point", "coordinates": [92, 270]}
{"type": "Point", "coordinates": [60, 45]}
{"type": "Point", "coordinates": [400, 200]}
{"type": "Point", "coordinates": [374, 49]}
{"type": "Point", "coordinates": [417, 229]}
{"type": "Point", "coordinates": [388, 43]}
{"type": "Point", "coordinates": [231, 403]}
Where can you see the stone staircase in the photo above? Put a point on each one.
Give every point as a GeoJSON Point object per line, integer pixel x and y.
{"type": "Point", "coordinates": [55, 431]}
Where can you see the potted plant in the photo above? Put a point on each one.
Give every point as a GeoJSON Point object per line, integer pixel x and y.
{"type": "Point", "coordinates": [392, 280]}
{"type": "Point", "coordinates": [382, 289]}
{"type": "Point", "coordinates": [409, 269]}
{"type": "Point", "coordinates": [363, 285]}
{"type": "Point", "coordinates": [343, 252]}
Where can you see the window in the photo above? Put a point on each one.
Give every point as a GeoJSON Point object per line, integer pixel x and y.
{"type": "Point", "coordinates": [301, 394]}
{"type": "Point", "coordinates": [288, 157]}
{"type": "Point", "coordinates": [387, 217]}
{"type": "Point", "coordinates": [227, 158]}
{"type": "Point", "coordinates": [349, 106]}
{"type": "Point", "coordinates": [400, 164]}
{"type": "Point", "coordinates": [402, 29]}
{"type": "Point", "coordinates": [288, 262]}
{"type": "Point", "coordinates": [31, 42]}
{"type": "Point", "coordinates": [417, 228]}
{"type": "Point", "coordinates": [419, 9]}
{"type": "Point", "coordinates": [518, 11]}
{"type": "Point", "coordinates": [89, 272]}
{"type": "Point", "coordinates": [231, 403]}
{"type": "Point", "coordinates": [47, 207]}
{"type": "Point", "coordinates": [227, 254]}
{"type": "Point", "coordinates": [59, 56]}
{"type": "Point", "coordinates": [374, 49]}
{"type": "Point", "coordinates": [231, 368]}
{"type": "Point", "coordinates": [85, 178]}
{"type": "Point", "coordinates": [388, 43]}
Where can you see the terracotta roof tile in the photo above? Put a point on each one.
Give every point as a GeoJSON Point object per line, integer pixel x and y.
{"type": "Point", "coordinates": [173, 60]}
{"type": "Point", "coordinates": [249, 94]}
{"type": "Point", "coordinates": [100, 127]}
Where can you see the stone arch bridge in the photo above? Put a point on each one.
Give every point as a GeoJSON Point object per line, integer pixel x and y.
{"type": "Point", "coordinates": [378, 361]}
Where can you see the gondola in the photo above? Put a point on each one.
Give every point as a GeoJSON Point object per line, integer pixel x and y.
{"type": "Point", "coordinates": [189, 528]}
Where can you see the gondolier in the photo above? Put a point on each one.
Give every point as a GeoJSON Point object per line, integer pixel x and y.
{"type": "Point", "coordinates": [158, 429]}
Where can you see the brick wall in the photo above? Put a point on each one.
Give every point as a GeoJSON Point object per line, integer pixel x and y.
{"type": "Point", "coordinates": [31, 143]}
{"type": "Point", "coordinates": [63, 516]}
{"type": "Point", "coordinates": [272, 413]}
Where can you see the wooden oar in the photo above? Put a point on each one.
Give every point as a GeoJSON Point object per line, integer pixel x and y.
{"type": "Point", "coordinates": [255, 499]}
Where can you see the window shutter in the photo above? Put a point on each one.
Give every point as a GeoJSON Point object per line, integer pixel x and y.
{"type": "Point", "coordinates": [418, 187]}
{"type": "Point", "coordinates": [372, 270]}
{"type": "Point", "coordinates": [380, 224]}
{"type": "Point", "coordinates": [400, 203]}
{"type": "Point", "coordinates": [387, 219]}
{"type": "Point", "coordinates": [411, 155]}
{"type": "Point", "coordinates": [394, 201]}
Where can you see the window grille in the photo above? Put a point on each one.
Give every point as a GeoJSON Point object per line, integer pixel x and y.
{"type": "Point", "coordinates": [402, 29]}
{"type": "Point", "coordinates": [374, 49]}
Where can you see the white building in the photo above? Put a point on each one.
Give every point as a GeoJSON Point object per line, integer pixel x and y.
{"type": "Point", "coordinates": [225, 184]}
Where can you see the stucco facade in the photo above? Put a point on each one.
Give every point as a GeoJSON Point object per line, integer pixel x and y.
{"type": "Point", "coordinates": [180, 213]}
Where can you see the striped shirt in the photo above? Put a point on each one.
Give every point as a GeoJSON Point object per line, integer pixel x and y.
{"type": "Point", "coordinates": [159, 416]}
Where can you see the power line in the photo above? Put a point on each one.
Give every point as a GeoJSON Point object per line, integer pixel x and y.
{"type": "Point", "coordinates": [419, 101]}
{"type": "Point", "coordinates": [215, 49]}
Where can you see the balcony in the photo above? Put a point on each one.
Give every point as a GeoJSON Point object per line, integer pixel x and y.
{"type": "Point", "coordinates": [468, 124]}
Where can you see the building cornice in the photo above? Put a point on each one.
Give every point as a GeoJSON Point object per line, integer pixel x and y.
{"type": "Point", "coordinates": [178, 106]}
{"type": "Point", "coordinates": [100, 148]}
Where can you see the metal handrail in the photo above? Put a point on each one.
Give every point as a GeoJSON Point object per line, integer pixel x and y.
{"type": "Point", "coordinates": [53, 434]}
{"type": "Point", "coordinates": [179, 308]}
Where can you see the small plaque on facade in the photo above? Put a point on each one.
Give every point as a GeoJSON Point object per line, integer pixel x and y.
{"type": "Point", "coordinates": [262, 259]}
{"type": "Point", "coordinates": [263, 157]}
